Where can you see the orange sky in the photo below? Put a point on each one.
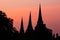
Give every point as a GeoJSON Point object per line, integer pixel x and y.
{"type": "Point", "coordinates": [15, 9]}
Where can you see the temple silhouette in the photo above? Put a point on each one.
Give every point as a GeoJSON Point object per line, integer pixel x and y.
{"type": "Point", "coordinates": [41, 32]}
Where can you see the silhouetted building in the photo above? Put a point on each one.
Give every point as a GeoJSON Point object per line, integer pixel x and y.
{"type": "Point", "coordinates": [41, 32]}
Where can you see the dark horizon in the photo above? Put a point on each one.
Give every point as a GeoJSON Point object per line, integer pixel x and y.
{"type": "Point", "coordinates": [16, 9]}
{"type": "Point", "coordinates": [8, 32]}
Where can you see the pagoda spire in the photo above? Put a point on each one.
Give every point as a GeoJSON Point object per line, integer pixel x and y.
{"type": "Point", "coordinates": [40, 21]}
{"type": "Point", "coordinates": [22, 28]}
{"type": "Point", "coordinates": [30, 28]}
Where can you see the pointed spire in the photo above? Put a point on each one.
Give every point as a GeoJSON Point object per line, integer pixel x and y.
{"type": "Point", "coordinates": [30, 22]}
{"type": "Point", "coordinates": [22, 28]}
{"type": "Point", "coordinates": [40, 21]}
{"type": "Point", "coordinates": [30, 28]}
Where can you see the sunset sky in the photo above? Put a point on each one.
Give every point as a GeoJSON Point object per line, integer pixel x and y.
{"type": "Point", "coordinates": [16, 9]}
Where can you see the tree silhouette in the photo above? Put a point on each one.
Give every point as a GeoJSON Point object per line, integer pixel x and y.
{"type": "Point", "coordinates": [6, 27]}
